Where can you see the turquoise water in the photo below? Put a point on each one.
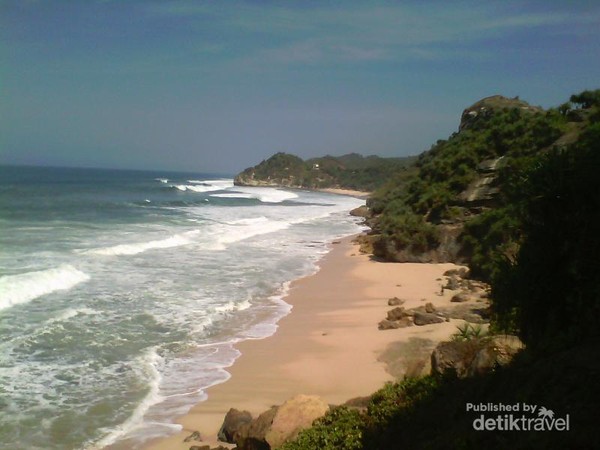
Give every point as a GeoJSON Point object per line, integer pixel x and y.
{"type": "Point", "coordinates": [123, 293]}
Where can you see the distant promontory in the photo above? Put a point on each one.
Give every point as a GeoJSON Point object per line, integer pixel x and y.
{"type": "Point", "coordinates": [351, 171]}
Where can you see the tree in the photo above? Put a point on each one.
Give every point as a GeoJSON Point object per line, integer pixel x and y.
{"type": "Point", "coordinates": [587, 99]}
{"type": "Point", "coordinates": [552, 293]}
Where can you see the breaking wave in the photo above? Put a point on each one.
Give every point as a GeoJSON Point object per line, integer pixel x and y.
{"type": "Point", "coordinates": [22, 288]}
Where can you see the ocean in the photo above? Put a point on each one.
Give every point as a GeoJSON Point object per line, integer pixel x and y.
{"type": "Point", "coordinates": [123, 293]}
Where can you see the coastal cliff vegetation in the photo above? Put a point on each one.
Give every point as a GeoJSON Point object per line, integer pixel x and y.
{"type": "Point", "coordinates": [515, 193]}
{"type": "Point", "coordinates": [351, 171]}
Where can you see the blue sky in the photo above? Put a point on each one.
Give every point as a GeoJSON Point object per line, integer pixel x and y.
{"type": "Point", "coordinates": [217, 86]}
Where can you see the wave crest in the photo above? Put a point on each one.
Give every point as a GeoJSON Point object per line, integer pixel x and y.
{"type": "Point", "coordinates": [133, 249]}
{"type": "Point", "coordinates": [22, 288]}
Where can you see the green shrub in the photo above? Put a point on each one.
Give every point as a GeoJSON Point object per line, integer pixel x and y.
{"type": "Point", "coordinates": [551, 291]}
{"type": "Point", "coordinates": [339, 429]}
{"type": "Point", "coordinates": [468, 332]}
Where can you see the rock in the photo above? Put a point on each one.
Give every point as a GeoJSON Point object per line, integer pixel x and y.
{"type": "Point", "coordinates": [463, 272]}
{"type": "Point", "coordinates": [498, 351]}
{"type": "Point", "coordinates": [474, 318]}
{"type": "Point", "coordinates": [396, 313]}
{"type": "Point", "coordinates": [251, 436]}
{"type": "Point", "coordinates": [234, 419]}
{"type": "Point", "coordinates": [460, 298]}
{"type": "Point", "coordinates": [195, 436]}
{"type": "Point", "coordinates": [429, 307]}
{"type": "Point", "coordinates": [475, 356]}
{"type": "Point", "coordinates": [454, 357]}
{"type": "Point", "coordinates": [293, 416]}
{"type": "Point", "coordinates": [200, 447]}
{"type": "Point", "coordinates": [424, 318]}
{"type": "Point", "coordinates": [394, 324]}
{"type": "Point", "coordinates": [452, 283]}
{"type": "Point", "coordinates": [395, 301]}
{"type": "Point", "coordinates": [361, 211]}
{"type": "Point", "coordinates": [388, 324]}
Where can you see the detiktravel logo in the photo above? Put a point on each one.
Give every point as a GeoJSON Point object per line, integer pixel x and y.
{"type": "Point", "coordinates": [516, 417]}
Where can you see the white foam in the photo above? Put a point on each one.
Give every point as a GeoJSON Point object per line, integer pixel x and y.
{"type": "Point", "coordinates": [70, 313]}
{"type": "Point", "coordinates": [222, 183]}
{"type": "Point", "coordinates": [233, 195]}
{"type": "Point", "coordinates": [162, 180]}
{"type": "Point", "coordinates": [133, 249]}
{"type": "Point", "coordinates": [204, 185]}
{"type": "Point", "coordinates": [231, 306]}
{"type": "Point", "coordinates": [249, 221]}
{"type": "Point", "coordinates": [150, 365]}
{"type": "Point", "coordinates": [240, 231]}
{"type": "Point", "coordinates": [264, 194]}
{"type": "Point", "coordinates": [22, 288]}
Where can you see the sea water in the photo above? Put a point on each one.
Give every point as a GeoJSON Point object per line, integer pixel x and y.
{"type": "Point", "coordinates": [122, 293]}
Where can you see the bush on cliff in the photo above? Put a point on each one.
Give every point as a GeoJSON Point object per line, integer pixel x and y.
{"type": "Point", "coordinates": [551, 292]}
{"type": "Point", "coordinates": [433, 191]}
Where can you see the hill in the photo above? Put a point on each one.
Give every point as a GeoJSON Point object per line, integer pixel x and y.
{"type": "Point", "coordinates": [460, 202]}
{"type": "Point", "coordinates": [351, 171]}
{"type": "Point", "coordinates": [533, 234]}
{"type": "Point", "coordinates": [514, 193]}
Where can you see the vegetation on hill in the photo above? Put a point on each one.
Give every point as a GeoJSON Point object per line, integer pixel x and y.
{"type": "Point", "coordinates": [550, 292]}
{"type": "Point", "coordinates": [352, 171]}
{"type": "Point", "coordinates": [430, 412]}
{"type": "Point", "coordinates": [546, 290]}
{"type": "Point", "coordinates": [461, 202]}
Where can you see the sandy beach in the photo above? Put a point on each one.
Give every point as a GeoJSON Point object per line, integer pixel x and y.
{"type": "Point", "coordinates": [350, 192]}
{"type": "Point", "coordinates": [329, 345]}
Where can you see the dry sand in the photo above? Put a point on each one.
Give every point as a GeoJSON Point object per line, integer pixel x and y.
{"type": "Point", "coordinates": [350, 192]}
{"type": "Point", "coordinates": [329, 345]}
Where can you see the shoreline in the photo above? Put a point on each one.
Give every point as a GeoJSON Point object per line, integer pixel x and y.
{"type": "Point", "coordinates": [330, 333]}
{"type": "Point", "coordinates": [349, 192]}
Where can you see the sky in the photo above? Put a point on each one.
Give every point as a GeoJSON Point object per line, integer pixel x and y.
{"type": "Point", "coordinates": [218, 86]}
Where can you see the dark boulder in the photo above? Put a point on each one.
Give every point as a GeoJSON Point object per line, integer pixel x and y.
{"type": "Point", "coordinates": [429, 308]}
{"type": "Point", "coordinates": [395, 324]}
{"type": "Point", "coordinates": [453, 283]}
{"type": "Point", "coordinates": [395, 301]}
{"type": "Point", "coordinates": [396, 313]}
{"type": "Point", "coordinates": [234, 419]}
{"type": "Point", "coordinates": [195, 436]}
{"type": "Point", "coordinates": [361, 211]}
{"type": "Point", "coordinates": [460, 298]}
{"type": "Point", "coordinates": [424, 318]}
{"type": "Point", "coordinates": [251, 436]}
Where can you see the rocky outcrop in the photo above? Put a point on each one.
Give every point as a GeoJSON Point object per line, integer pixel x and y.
{"type": "Point", "coordinates": [485, 107]}
{"type": "Point", "coordinates": [386, 324]}
{"type": "Point", "coordinates": [425, 318]}
{"type": "Point", "coordinates": [252, 436]}
{"type": "Point", "coordinates": [395, 301]}
{"type": "Point", "coordinates": [361, 211]}
{"type": "Point", "coordinates": [280, 424]}
{"type": "Point", "coordinates": [293, 416]}
{"type": "Point", "coordinates": [234, 420]}
{"type": "Point", "coordinates": [475, 356]}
